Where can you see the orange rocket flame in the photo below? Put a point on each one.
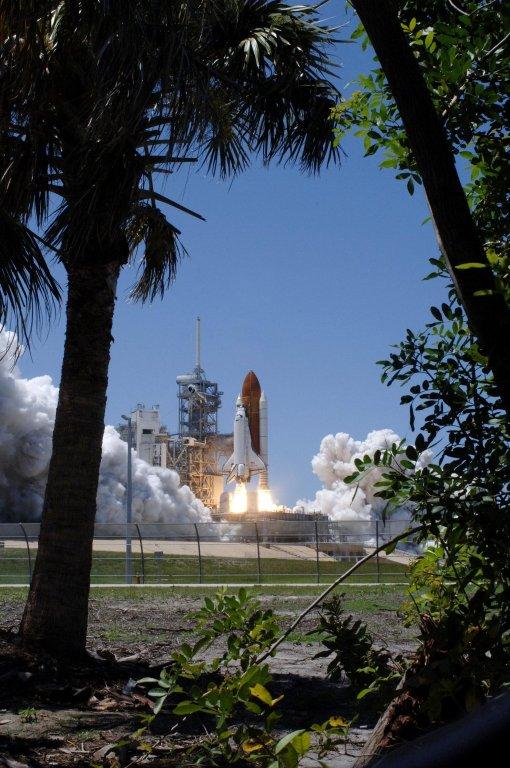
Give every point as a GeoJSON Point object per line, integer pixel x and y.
{"type": "Point", "coordinates": [239, 499]}
{"type": "Point", "coordinates": [265, 500]}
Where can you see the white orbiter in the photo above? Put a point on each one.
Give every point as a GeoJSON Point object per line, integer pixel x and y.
{"type": "Point", "coordinates": [250, 454]}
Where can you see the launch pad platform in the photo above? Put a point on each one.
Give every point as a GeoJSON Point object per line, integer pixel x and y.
{"type": "Point", "coordinates": [259, 517]}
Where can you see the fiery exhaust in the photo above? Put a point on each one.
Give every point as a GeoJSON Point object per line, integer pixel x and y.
{"type": "Point", "coordinates": [265, 500]}
{"type": "Point", "coordinates": [239, 502]}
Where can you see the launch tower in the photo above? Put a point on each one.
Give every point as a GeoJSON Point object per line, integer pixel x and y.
{"type": "Point", "coordinates": [199, 400]}
{"type": "Point", "coordinates": [196, 451]}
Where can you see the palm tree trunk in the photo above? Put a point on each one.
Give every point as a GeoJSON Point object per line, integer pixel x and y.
{"type": "Point", "coordinates": [55, 616]}
{"type": "Point", "coordinates": [487, 312]}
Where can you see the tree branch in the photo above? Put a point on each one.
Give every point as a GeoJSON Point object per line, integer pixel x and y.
{"type": "Point", "coordinates": [343, 577]}
{"type": "Point", "coordinates": [486, 309]}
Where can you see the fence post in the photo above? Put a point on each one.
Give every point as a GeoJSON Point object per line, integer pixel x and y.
{"type": "Point", "coordinates": [259, 577]}
{"type": "Point", "coordinates": [377, 563]}
{"type": "Point", "coordinates": [199, 554]}
{"type": "Point", "coordinates": [141, 551]}
{"type": "Point", "coordinates": [28, 552]}
{"type": "Point", "coordinates": [317, 552]}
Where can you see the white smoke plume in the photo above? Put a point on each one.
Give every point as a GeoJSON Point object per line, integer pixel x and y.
{"type": "Point", "coordinates": [335, 462]}
{"type": "Point", "coordinates": [27, 415]}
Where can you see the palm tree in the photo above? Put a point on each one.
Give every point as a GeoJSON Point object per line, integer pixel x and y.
{"type": "Point", "coordinates": [98, 98]}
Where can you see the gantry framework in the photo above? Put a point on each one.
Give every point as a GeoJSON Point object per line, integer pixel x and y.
{"type": "Point", "coordinates": [192, 451]}
{"type": "Point", "coordinates": [198, 409]}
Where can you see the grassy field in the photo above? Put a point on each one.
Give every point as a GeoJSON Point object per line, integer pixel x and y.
{"type": "Point", "coordinates": [374, 598]}
{"type": "Point", "coordinates": [108, 568]}
{"type": "Point", "coordinates": [156, 619]}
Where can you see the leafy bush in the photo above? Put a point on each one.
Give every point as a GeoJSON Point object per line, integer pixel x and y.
{"type": "Point", "coordinates": [460, 586]}
{"type": "Point", "coordinates": [371, 671]}
{"type": "Point", "coordinates": [232, 689]}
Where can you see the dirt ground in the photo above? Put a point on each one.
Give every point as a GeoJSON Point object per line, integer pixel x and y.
{"type": "Point", "coordinates": [51, 724]}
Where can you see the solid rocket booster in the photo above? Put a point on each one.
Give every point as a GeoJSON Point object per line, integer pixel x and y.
{"type": "Point", "coordinates": [250, 454]}
{"type": "Point", "coordinates": [264, 435]}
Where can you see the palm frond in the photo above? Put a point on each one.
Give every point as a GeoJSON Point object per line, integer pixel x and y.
{"type": "Point", "coordinates": [258, 82]}
{"type": "Point", "coordinates": [152, 195]}
{"type": "Point", "coordinates": [28, 291]}
{"type": "Point", "coordinates": [95, 96]}
{"type": "Point", "coordinates": [161, 251]}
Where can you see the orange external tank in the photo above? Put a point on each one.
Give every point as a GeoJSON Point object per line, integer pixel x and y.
{"type": "Point", "coordinates": [250, 395]}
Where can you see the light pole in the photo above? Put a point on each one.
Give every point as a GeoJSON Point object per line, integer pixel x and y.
{"type": "Point", "coordinates": [129, 502]}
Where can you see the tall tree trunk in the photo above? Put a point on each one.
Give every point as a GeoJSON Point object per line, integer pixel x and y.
{"type": "Point", "coordinates": [487, 312]}
{"type": "Point", "coordinates": [55, 616]}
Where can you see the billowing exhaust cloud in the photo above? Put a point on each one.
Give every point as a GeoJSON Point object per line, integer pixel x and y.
{"type": "Point", "coordinates": [27, 415]}
{"type": "Point", "coordinates": [334, 462]}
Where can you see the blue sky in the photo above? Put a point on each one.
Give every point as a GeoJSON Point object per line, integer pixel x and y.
{"type": "Point", "coordinates": [305, 280]}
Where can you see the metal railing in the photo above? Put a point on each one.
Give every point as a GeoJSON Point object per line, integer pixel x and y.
{"type": "Point", "coordinates": [266, 551]}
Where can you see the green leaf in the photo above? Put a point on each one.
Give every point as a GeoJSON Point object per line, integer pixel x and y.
{"type": "Point", "coordinates": [412, 453]}
{"type": "Point", "coordinates": [390, 548]}
{"type": "Point", "coordinates": [364, 692]}
{"type": "Point", "coordinates": [187, 708]}
{"type": "Point", "coordinates": [288, 739]}
{"type": "Point", "coordinates": [390, 162]}
{"type": "Point", "coordinates": [471, 265]}
{"type": "Point", "coordinates": [301, 743]}
{"type": "Point", "coordinates": [243, 594]}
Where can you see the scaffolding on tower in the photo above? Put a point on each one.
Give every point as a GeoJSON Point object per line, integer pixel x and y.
{"type": "Point", "coordinates": [197, 451]}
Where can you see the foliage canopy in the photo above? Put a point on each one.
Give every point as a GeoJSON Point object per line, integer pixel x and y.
{"type": "Point", "coordinates": [98, 99]}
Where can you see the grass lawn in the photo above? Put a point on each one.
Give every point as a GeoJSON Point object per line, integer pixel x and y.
{"type": "Point", "coordinates": [372, 598]}
{"type": "Point", "coordinates": [108, 567]}
{"type": "Point", "coordinates": [159, 617]}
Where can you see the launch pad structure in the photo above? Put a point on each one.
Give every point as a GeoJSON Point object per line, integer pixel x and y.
{"type": "Point", "coordinates": [197, 451]}
{"type": "Point", "coordinates": [206, 460]}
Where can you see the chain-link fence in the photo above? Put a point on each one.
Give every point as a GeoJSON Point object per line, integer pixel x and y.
{"type": "Point", "coordinates": [267, 551]}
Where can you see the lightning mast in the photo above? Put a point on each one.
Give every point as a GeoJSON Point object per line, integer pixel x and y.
{"type": "Point", "coordinates": [197, 345]}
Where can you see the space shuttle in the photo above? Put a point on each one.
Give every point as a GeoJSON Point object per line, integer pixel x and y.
{"type": "Point", "coordinates": [250, 454]}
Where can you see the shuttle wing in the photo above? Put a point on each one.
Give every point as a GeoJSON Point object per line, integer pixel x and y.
{"type": "Point", "coordinates": [233, 470]}
{"type": "Point", "coordinates": [228, 465]}
{"type": "Point", "coordinates": [256, 463]}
